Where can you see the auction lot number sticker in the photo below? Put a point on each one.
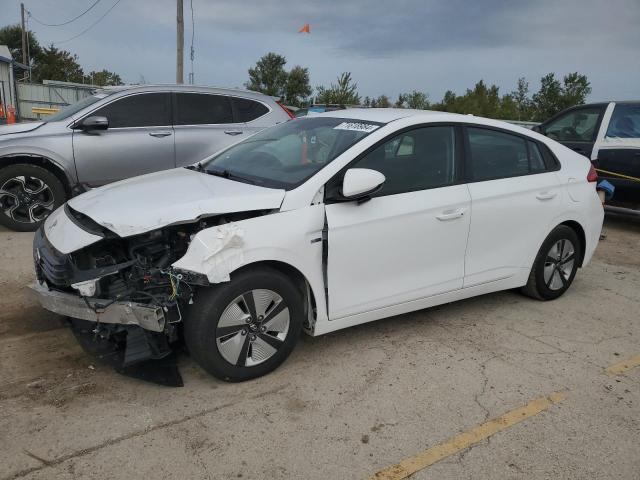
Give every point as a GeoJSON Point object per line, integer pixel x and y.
{"type": "Point", "coordinates": [357, 127]}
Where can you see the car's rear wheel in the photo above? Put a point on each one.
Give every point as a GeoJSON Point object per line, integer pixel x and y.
{"type": "Point", "coordinates": [28, 194]}
{"type": "Point", "coordinates": [555, 265]}
{"type": "Point", "coordinates": [247, 327]}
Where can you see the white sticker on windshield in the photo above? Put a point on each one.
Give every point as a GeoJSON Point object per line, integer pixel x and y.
{"type": "Point", "coordinates": [357, 127]}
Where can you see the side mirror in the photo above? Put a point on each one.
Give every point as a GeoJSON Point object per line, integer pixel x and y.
{"type": "Point", "coordinates": [359, 183]}
{"type": "Point", "coordinates": [93, 123]}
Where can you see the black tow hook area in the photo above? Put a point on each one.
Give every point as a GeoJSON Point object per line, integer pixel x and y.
{"type": "Point", "coordinates": [130, 350]}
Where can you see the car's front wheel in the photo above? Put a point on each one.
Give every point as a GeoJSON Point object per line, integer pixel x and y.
{"type": "Point", "coordinates": [28, 194]}
{"type": "Point", "coordinates": [555, 265]}
{"type": "Point", "coordinates": [247, 327]}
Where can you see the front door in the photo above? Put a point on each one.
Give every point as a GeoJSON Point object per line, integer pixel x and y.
{"type": "Point", "coordinates": [577, 129]}
{"type": "Point", "coordinates": [408, 242]}
{"type": "Point", "coordinates": [139, 140]}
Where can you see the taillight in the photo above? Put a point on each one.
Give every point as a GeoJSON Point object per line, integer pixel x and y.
{"type": "Point", "coordinates": [592, 176]}
{"type": "Point", "coordinates": [291, 115]}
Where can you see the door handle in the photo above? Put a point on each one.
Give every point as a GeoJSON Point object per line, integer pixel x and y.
{"type": "Point", "coordinates": [233, 132]}
{"type": "Point", "coordinates": [451, 214]}
{"type": "Point", "coordinates": [160, 134]}
{"type": "Point", "coordinates": [546, 195]}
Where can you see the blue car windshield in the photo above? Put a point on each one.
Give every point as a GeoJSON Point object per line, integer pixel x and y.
{"type": "Point", "coordinates": [286, 155]}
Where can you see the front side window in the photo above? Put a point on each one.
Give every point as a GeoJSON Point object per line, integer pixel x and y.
{"type": "Point", "coordinates": [143, 110]}
{"type": "Point", "coordinates": [414, 160]}
{"type": "Point", "coordinates": [74, 108]}
{"type": "Point", "coordinates": [286, 155]}
{"type": "Point", "coordinates": [576, 126]}
{"type": "Point", "coordinates": [497, 154]}
{"type": "Point", "coordinates": [625, 121]}
{"type": "Point", "coordinates": [202, 109]}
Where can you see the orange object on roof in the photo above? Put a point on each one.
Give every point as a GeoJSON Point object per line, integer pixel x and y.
{"type": "Point", "coordinates": [305, 29]}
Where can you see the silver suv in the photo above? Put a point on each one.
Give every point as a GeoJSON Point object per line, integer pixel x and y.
{"type": "Point", "coordinates": [120, 133]}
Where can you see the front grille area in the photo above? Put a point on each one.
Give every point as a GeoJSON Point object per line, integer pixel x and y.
{"type": "Point", "coordinates": [54, 267]}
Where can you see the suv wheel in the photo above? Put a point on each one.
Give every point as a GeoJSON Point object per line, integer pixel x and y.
{"type": "Point", "coordinates": [28, 194]}
{"type": "Point", "coordinates": [247, 327]}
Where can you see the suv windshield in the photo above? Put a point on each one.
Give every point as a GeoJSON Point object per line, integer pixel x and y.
{"type": "Point", "coordinates": [286, 155]}
{"type": "Point", "coordinates": [76, 107]}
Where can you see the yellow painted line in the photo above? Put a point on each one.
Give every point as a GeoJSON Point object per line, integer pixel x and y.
{"type": "Point", "coordinates": [628, 177]}
{"type": "Point", "coordinates": [623, 366]}
{"type": "Point", "coordinates": [424, 459]}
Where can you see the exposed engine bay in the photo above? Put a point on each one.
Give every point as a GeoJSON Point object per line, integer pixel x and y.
{"type": "Point", "coordinates": [137, 271]}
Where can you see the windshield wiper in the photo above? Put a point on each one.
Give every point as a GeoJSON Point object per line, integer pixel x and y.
{"type": "Point", "coordinates": [230, 176]}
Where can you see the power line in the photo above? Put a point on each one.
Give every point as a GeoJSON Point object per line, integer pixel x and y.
{"type": "Point", "coordinates": [90, 26]}
{"type": "Point", "coordinates": [68, 21]}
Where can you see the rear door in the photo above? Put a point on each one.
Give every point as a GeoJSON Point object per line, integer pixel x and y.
{"type": "Point", "coordinates": [203, 124]}
{"type": "Point", "coordinates": [514, 197]}
{"type": "Point", "coordinates": [619, 152]}
{"type": "Point", "coordinates": [576, 128]}
{"type": "Point", "coordinates": [139, 140]}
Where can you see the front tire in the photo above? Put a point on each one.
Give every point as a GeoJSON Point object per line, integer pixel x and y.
{"type": "Point", "coordinates": [555, 265]}
{"type": "Point", "coordinates": [247, 327]}
{"type": "Point", "coordinates": [28, 194]}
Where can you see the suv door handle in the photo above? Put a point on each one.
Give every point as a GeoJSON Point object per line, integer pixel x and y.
{"type": "Point", "coordinates": [233, 132]}
{"type": "Point", "coordinates": [160, 133]}
{"type": "Point", "coordinates": [451, 214]}
{"type": "Point", "coordinates": [546, 195]}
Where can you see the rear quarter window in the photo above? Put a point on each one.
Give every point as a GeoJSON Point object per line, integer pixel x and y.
{"type": "Point", "coordinates": [248, 110]}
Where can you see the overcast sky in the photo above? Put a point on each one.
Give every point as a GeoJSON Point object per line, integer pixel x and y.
{"type": "Point", "coordinates": [389, 46]}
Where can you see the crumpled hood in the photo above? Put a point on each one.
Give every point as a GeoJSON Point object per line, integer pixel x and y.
{"type": "Point", "coordinates": [19, 127]}
{"type": "Point", "coordinates": [141, 204]}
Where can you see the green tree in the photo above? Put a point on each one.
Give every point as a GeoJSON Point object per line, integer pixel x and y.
{"type": "Point", "coordinates": [415, 99]}
{"type": "Point", "coordinates": [576, 88]}
{"type": "Point", "coordinates": [297, 88]}
{"type": "Point", "coordinates": [269, 76]}
{"type": "Point", "coordinates": [11, 36]}
{"type": "Point", "coordinates": [383, 101]}
{"type": "Point", "coordinates": [103, 78]}
{"type": "Point", "coordinates": [547, 101]}
{"type": "Point", "coordinates": [521, 98]}
{"type": "Point", "coordinates": [55, 64]}
{"type": "Point", "coordinates": [345, 92]}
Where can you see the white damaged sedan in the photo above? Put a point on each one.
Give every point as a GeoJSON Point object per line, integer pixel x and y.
{"type": "Point", "coordinates": [317, 224]}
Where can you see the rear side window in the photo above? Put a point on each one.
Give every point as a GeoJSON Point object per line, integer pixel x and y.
{"type": "Point", "coordinates": [536, 160]}
{"type": "Point", "coordinates": [625, 121]}
{"type": "Point", "coordinates": [202, 109]}
{"type": "Point", "coordinates": [248, 110]}
{"type": "Point", "coordinates": [499, 155]}
{"type": "Point", "coordinates": [143, 110]}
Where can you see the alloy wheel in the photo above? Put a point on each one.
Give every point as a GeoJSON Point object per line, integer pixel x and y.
{"type": "Point", "coordinates": [559, 265]}
{"type": "Point", "coordinates": [252, 328]}
{"type": "Point", "coordinates": [26, 199]}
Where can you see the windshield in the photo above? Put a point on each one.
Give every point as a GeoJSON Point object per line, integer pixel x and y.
{"type": "Point", "coordinates": [286, 155]}
{"type": "Point", "coordinates": [66, 112]}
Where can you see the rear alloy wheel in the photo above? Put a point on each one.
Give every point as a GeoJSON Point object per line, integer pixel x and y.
{"type": "Point", "coordinates": [247, 327]}
{"type": "Point", "coordinates": [28, 195]}
{"type": "Point", "coordinates": [555, 266]}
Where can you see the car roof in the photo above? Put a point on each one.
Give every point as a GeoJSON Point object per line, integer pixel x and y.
{"type": "Point", "coordinates": [382, 115]}
{"type": "Point", "coordinates": [174, 87]}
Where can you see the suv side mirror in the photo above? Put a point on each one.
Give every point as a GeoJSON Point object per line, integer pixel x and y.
{"type": "Point", "coordinates": [538, 129]}
{"type": "Point", "coordinates": [359, 183]}
{"type": "Point", "coordinates": [93, 123]}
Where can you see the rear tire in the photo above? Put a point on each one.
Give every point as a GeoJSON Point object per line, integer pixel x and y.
{"type": "Point", "coordinates": [28, 195]}
{"type": "Point", "coordinates": [247, 327]}
{"type": "Point", "coordinates": [555, 265]}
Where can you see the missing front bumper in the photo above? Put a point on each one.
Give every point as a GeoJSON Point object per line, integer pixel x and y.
{"type": "Point", "coordinates": [148, 317]}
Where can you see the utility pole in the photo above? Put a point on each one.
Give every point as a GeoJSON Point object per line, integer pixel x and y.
{"type": "Point", "coordinates": [180, 43]}
{"type": "Point", "coordinates": [24, 37]}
